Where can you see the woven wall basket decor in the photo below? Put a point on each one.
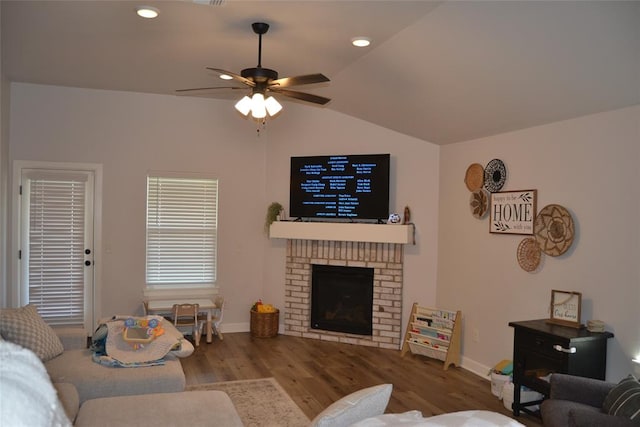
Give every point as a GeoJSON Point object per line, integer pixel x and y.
{"type": "Point", "coordinates": [479, 203]}
{"type": "Point", "coordinates": [474, 177]}
{"type": "Point", "coordinates": [554, 230]}
{"type": "Point", "coordinates": [529, 254]}
{"type": "Point", "coordinates": [495, 175]}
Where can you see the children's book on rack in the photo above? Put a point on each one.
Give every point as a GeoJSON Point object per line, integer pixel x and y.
{"type": "Point", "coordinates": [434, 333]}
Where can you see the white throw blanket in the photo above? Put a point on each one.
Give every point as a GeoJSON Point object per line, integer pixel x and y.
{"type": "Point", "coordinates": [124, 352]}
{"type": "Point", "coordinates": [27, 397]}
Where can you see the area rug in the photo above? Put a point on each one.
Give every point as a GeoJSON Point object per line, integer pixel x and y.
{"type": "Point", "coordinates": [262, 402]}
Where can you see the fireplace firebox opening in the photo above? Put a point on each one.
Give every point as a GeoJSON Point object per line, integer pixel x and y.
{"type": "Point", "coordinates": [342, 299]}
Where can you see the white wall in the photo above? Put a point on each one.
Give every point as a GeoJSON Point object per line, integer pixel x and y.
{"type": "Point", "coordinates": [4, 189]}
{"type": "Point", "coordinates": [587, 164]}
{"type": "Point", "coordinates": [305, 130]}
{"type": "Point", "coordinates": [130, 134]}
{"type": "Point", "coordinates": [590, 166]}
{"type": "Point", "coordinates": [4, 173]}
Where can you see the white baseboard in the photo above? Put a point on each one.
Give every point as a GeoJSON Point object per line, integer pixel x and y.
{"type": "Point", "coordinates": [243, 327]}
{"type": "Point", "coordinates": [229, 328]}
{"type": "Point", "coordinates": [476, 368]}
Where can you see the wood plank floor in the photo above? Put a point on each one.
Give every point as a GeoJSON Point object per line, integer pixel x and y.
{"type": "Point", "coordinates": [316, 373]}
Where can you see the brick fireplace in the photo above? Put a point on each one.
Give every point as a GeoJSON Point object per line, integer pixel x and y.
{"type": "Point", "coordinates": [386, 259]}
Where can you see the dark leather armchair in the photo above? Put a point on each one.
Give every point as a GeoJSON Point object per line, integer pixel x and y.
{"type": "Point", "coordinates": [577, 401]}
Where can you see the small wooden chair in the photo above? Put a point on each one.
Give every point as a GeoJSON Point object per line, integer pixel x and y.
{"type": "Point", "coordinates": [187, 315]}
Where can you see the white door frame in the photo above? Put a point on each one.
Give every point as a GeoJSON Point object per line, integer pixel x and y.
{"type": "Point", "coordinates": [18, 167]}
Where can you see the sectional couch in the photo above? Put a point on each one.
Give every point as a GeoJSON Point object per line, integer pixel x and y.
{"type": "Point", "coordinates": [45, 380]}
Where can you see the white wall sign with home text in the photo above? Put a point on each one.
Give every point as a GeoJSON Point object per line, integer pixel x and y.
{"type": "Point", "coordinates": [512, 212]}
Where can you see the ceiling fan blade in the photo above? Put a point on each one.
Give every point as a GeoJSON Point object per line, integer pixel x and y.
{"type": "Point", "coordinates": [204, 89]}
{"type": "Point", "coordinates": [300, 80]}
{"type": "Point", "coordinates": [301, 95]}
{"type": "Point", "coordinates": [235, 76]}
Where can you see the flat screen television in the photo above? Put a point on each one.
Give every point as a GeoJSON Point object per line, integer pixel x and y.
{"type": "Point", "coordinates": [342, 187]}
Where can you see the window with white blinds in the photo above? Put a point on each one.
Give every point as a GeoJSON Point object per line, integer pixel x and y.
{"type": "Point", "coordinates": [182, 229]}
{"type": "Point", "coordinates": [56, 244]}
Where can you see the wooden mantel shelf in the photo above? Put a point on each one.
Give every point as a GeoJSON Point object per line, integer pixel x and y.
{"type": "Point", "coordinates": [340, 231]}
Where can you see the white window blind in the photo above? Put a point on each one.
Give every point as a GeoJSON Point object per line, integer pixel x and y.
{"type": "Point", "coordinates": [182, 231]}
{"type": "Point", "coordinates": [56, 249]}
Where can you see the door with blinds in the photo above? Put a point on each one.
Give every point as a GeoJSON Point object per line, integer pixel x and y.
{"type": "Point", "coordinates": [56, 250]}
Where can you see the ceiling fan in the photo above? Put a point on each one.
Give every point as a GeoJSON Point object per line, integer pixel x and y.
{"type": "Point", "coordinates": [264, 81]}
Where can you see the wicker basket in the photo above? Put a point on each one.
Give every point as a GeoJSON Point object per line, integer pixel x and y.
{"type": "Point", "coordinates": [264, 325]}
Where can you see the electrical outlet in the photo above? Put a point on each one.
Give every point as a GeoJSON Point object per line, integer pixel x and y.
{"type": "Point", "coordinates": [476, 335]}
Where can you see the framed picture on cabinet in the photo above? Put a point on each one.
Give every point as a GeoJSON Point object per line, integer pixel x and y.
{"type": "Point", "coordinates": [565, 308]}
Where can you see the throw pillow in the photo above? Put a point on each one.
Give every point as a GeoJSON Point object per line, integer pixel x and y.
{"type": "Point", "coordinates": [365, 403]}
{"type": "Point", "coordinates": [25, 327]}
{"type": "Point", "coordinates": [624, 399]}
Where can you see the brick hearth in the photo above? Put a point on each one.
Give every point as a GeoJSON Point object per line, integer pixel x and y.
{"type": "Point", "coordinates": [387, 261]}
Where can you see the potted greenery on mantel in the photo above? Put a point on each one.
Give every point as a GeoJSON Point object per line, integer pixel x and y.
{"type": "Point", "coordinates": [273, 211]}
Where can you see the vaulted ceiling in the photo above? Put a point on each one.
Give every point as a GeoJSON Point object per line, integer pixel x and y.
{"type": "Point", "coordinates": [441, 71]}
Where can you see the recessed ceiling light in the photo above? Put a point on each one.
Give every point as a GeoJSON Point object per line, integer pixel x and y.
{"type": "Point", "coordinates": [361, 41]}
{"type": "Point", "coordinates": [147, 12]}
{"type": "Point", "coordinates": [225, 77]}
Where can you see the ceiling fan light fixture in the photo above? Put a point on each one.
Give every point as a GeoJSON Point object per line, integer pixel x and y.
{"type": "Point", "coordinates": [147, 12]}
{"type": "Point", "coordinates": [272, 105]}
{"type": "Point", "coordinates": [244, 105]}
{"type": "Point", "coordinates": [262, 80]}
{"type": "Point", "coordinates": [258, 109]}
{"type": "Point", "coordinates": [361, 41]}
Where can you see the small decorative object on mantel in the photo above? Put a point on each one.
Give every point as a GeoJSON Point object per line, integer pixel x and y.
{"type": "Point", "coordinates": [273, 211]}
{"type": "Point", "coordinates": [474, 177]}
{"type": "Point", "coordinates": [565, 308]}
{"type": "Point", "coordinates": [394, 218]}
{"type": "Point", "coordinates": [495, 175]}
{"type": "Point", "coordinates": [529, 254]}
{"type": "Point", "coordinates": [554, 230]}
{"type": "Point", "coordinates": [406, 219]}
{"type": "Point", "coordinates": [479, 203]}
{"type": "Point", "coordinates": [513, 212]}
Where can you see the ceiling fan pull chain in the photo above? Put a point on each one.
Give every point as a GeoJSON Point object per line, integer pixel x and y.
{"type": "Point", "coordinates": [261, 123]}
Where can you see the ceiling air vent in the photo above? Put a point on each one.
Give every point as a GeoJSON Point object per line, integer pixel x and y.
{"type": "Point", "coordinates": [211, 2]}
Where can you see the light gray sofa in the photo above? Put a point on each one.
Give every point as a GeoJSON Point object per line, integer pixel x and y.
{"type": "Point", "coordinates": [30, 399]}
{"type": "Point", "coordinates": [78, 379]}
{"type": "Point", "coordinates": [92, 380]}
{"type": "Point", "coordinates": [70, 387]}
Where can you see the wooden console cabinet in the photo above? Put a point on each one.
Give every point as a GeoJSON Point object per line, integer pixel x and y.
{"type": "Point", "coordinates": [541, 348]}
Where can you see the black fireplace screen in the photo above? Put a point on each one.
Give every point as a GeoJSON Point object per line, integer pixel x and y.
{"type": "Point", "coordinates": [342, 299]}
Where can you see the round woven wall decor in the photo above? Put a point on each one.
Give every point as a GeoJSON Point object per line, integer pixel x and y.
{"type": "Point", "coordinates": [495, 175]}
{"type": "Point", "coordinates": [474, 178]}
{"type": "Point", "coordinates": [479, 203]}
{"type": "Point", "coordinates": [553, 229]}
{"type": "Point", "coordinates": [529, 254]}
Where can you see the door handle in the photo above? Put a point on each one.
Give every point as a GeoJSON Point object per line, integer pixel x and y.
{"type": "Point", "coordinates": [570, 350]}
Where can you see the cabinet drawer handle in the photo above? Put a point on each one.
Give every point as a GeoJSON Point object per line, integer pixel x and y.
{"type": "Point", "coordinates": [558, 347]}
